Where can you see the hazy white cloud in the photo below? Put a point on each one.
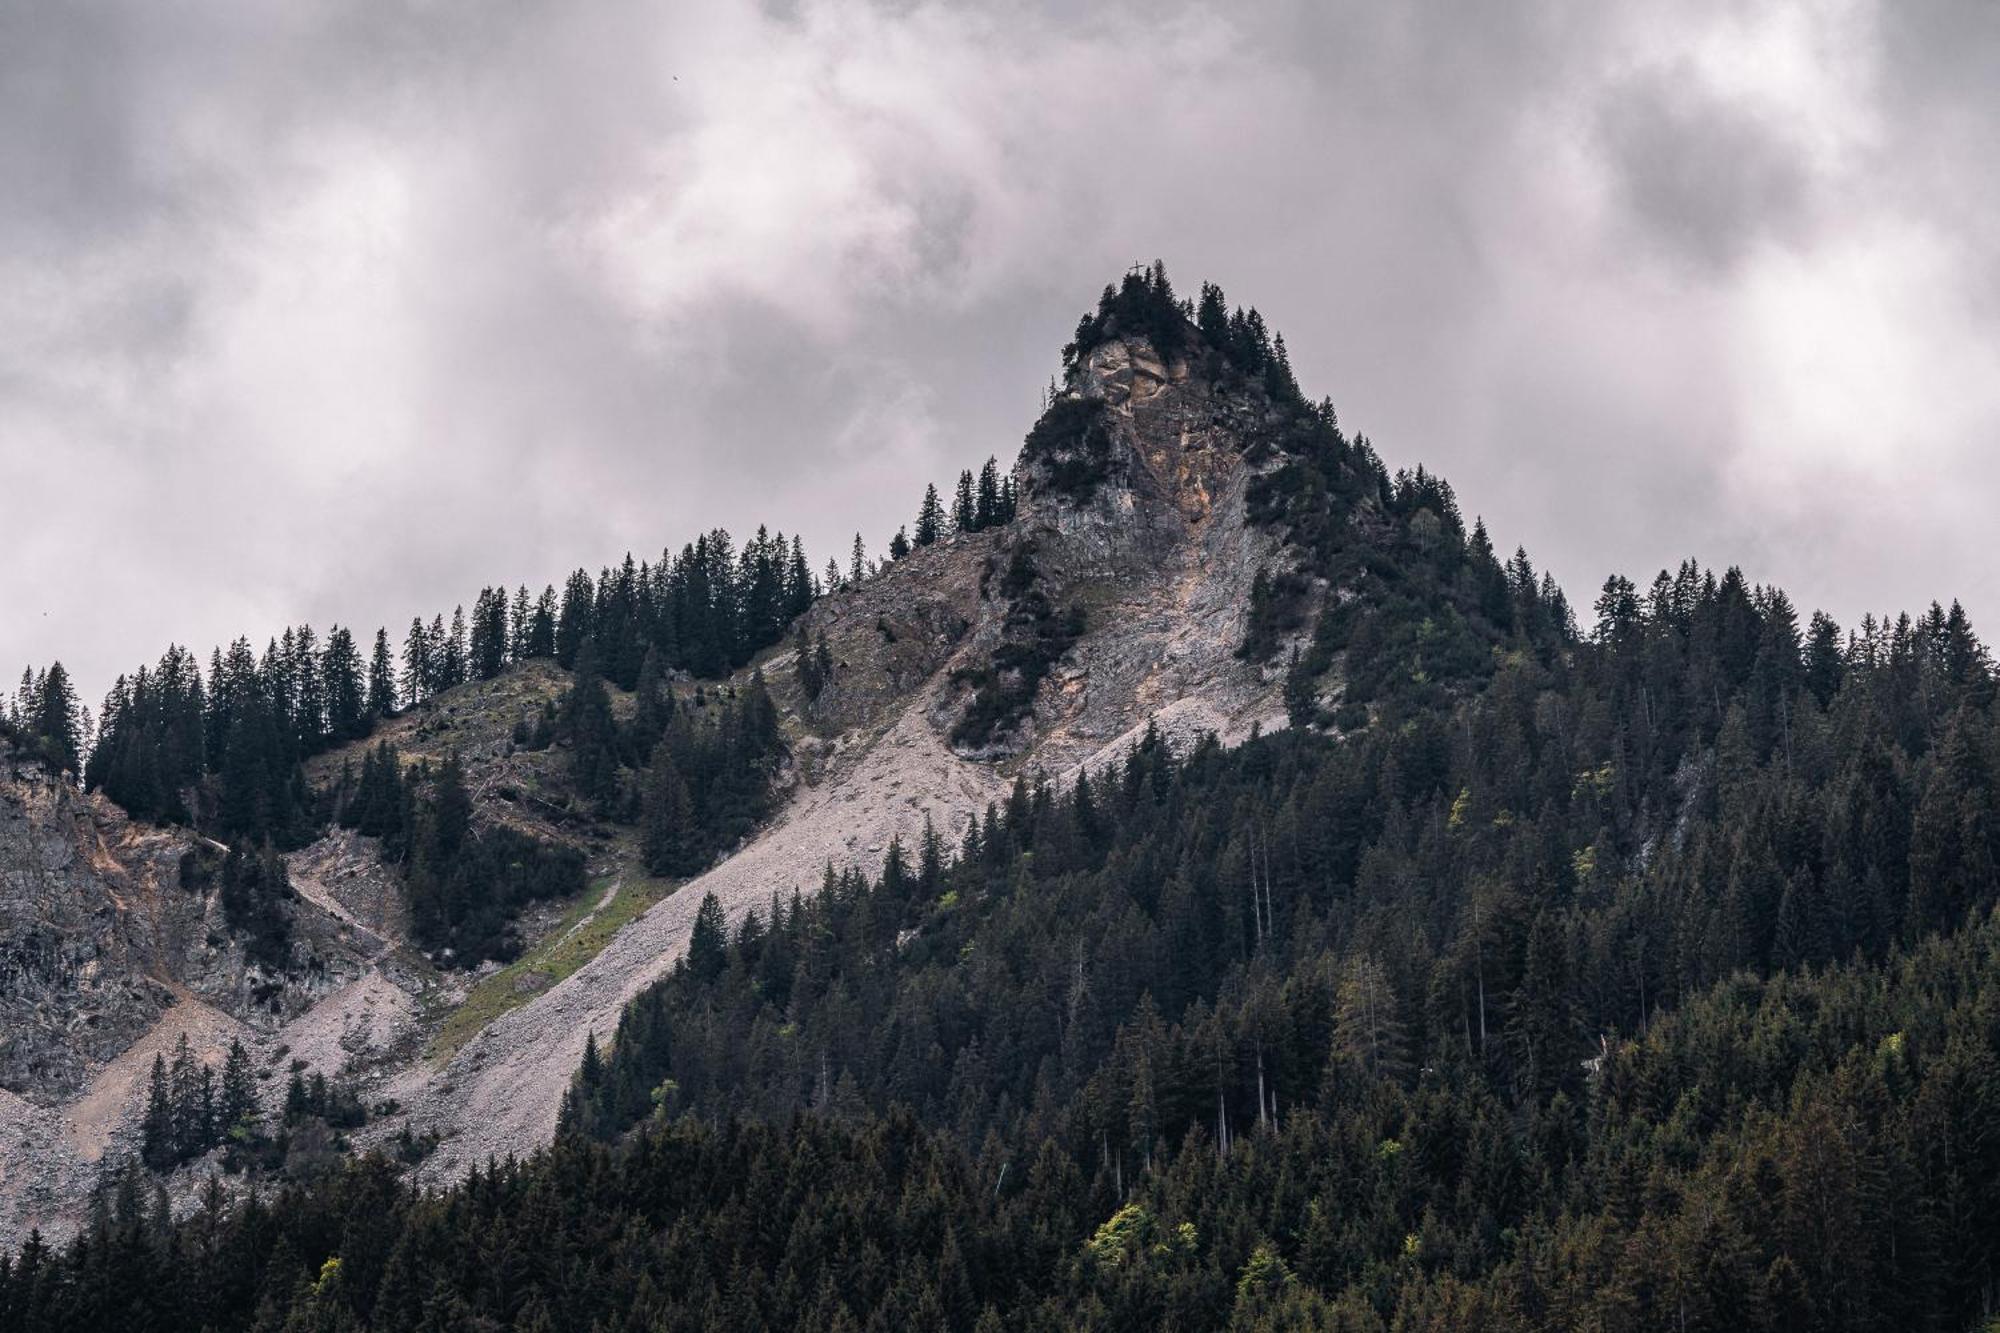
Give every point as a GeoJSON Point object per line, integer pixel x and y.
{"type": "Point", "coordinates": [338, 312]}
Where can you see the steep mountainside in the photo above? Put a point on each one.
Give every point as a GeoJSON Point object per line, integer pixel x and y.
{"type": "Point", "coordinates": [1160, 559]}
{"type": "Point", "coordinates": [107, 956]}
{"type": "Point", "coordinates": [1117, 597]}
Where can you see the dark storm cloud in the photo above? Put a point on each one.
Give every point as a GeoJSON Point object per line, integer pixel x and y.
{"type": "Point", "coordinates": [1709, 179]}
{"type": "Point", "coordinates": [338, 312]}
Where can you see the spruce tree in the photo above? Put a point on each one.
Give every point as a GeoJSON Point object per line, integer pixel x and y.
{"type": "Point", "coordinates": [342, 686]}
{"type": "Point", "coordinates": [187, 1136]}
{"type": "Point", "coordinates": [156, 1128]}
{"type": "Point", "coordinates": [456, 661]}
{"type": "Point", "coordinates": [381, 678]}
{"type": "Point", "coordinates": [963, 510]}
{"type": "Point", "coordinates": [708, 942]}
{"type": "Point", "coordinates": [417, 669]}
{"type": "Point", "coordinates": [57, 720]}
{"type": "Point", "coordinates": [541, 639]}
{"type": "Point", "coordinates": [930, 518]}
{"type": "Point", "coordinates": [238, 1106]}
{"type": "Point", "coordinates": [986, 509]}
{"type": "Point", "coordinates": [520, 624]}
{"type": "Point", "coordinates": [593, 735]}
{"type": "Point", "coordinates": [671, 839]}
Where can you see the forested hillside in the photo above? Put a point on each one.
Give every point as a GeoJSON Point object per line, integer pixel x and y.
{"type": "Point", "coordinates": [1660, 979]}
{"type": "Point", "coordinates": [1634, 975]}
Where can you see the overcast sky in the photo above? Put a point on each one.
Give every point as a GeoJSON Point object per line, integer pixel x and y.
{"type": "Point", "coordinates": [336, 311]}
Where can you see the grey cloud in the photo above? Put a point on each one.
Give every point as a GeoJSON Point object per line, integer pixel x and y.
{"type": "Point", "coordinates": [1706, 178]}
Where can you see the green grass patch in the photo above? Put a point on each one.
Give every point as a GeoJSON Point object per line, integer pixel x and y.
{"type": "Point", "coordinates": [579, 937]}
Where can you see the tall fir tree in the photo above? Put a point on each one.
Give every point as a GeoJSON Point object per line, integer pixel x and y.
{"type": "Point", "coordinates": [930, 518]}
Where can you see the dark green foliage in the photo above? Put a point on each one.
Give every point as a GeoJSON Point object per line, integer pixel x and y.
{"type": "Point", "coordinates": [490, 640]}
{"type": "Point", "coordinates": [709, 780]}
{"type": "Point", "coordinates": [226, 754]}
{"type": "Point", "coordinates": [378, 804]}
{"type": "Point", "coordinates": [1277, 608]}
{"type": "Point", "coordinates": [708, 943]}
{"type": "Point", "coordinates": [186, 1113]}
{"type": "Point", "coordinates": [316, 1099]}
{"type": "Point", "coordinates": [964, 509]}
{"type": "Point", "coordinates": [1071, 444]}
{"type": "Point", "coordinates": [930, 518]}
{"type": "Point", "coordinates": [466, 885]}
{"type": "Point", "coordinates": [672, 839]}
{"type": "Point", "coordinates": [381, 677]}
{"type": "Point", "coordinates": [706, 611]}
{"type": "Point", "coordinates": [1409, 942]}
{"type": "Point", "coordinates": [149, 755]}
{"type": "Point", "coordinates": [1141, 306]}
{"type": "Point", "coordinates": [256, 892]}
{"type": "Point", "coordinates": [586, 724]}
{"type": "Point", "coordinates": [1036, 636]}
{"type": "Point", "coordinates": [45, 715]}
{"type": "Point", "coordinates": [995, 502]}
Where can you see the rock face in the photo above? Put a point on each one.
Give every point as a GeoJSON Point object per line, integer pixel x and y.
{"type": "Point", "coordinates": [107, 959]}
{"type": "Point", "coordinates": [99, 937]}
{"type": "Point", "coordinates": [103, 959]}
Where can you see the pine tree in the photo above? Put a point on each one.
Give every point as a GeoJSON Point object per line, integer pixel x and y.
{"type": "Point", "coordinates": [57, 720]}
{"type": "Point", "coordinates": [381, 678]}
{"type": "Point", "coordinates": [541, 641]}
{"type": "Point", "coordinates": [930, 518]}
{"type": "Point", "coordinates": [487, 652]}
{"type": "Point", "coordinates": [963, 511]}
{"type": "Point", "coordinates": [1368, 1031]}
{"type": "Point", "coordinates": [520, 625]}
{"type": "Point", "coordinates": [238, 1106]}
{"type": "Point", "coordinates": [1301, 697]}
{"type": "Point", "coordinates": [418, 670]}
{"type": "Point", "coordinates": [588, 725]}
{"type": "Point", "coordinates": [857, 562]}
{"type": "Point", "coordinates": [156, 1128]}
{"type": "Point", "coordinates": [806, 665]}
{"type": "Point", "coordinates": [708, 942]}
{"type": "Point", "coordinates": [987, 509]}
{"type": "Point", "coordinates": [342, 686]}
{"type": "Point", "coordinates": [899, 545]}
{"type": "Point", "coordinates": [455, 659]}
{"type": "Point", "coordinates": [187, 1135]}
{"type": "Point", "coordinates": [671, 838]}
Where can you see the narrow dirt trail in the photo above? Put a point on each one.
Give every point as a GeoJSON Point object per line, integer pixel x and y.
{"type": "Point", "coordinates": [604, 901]}
{"type": "Point", "coordinates": [308, 886]}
